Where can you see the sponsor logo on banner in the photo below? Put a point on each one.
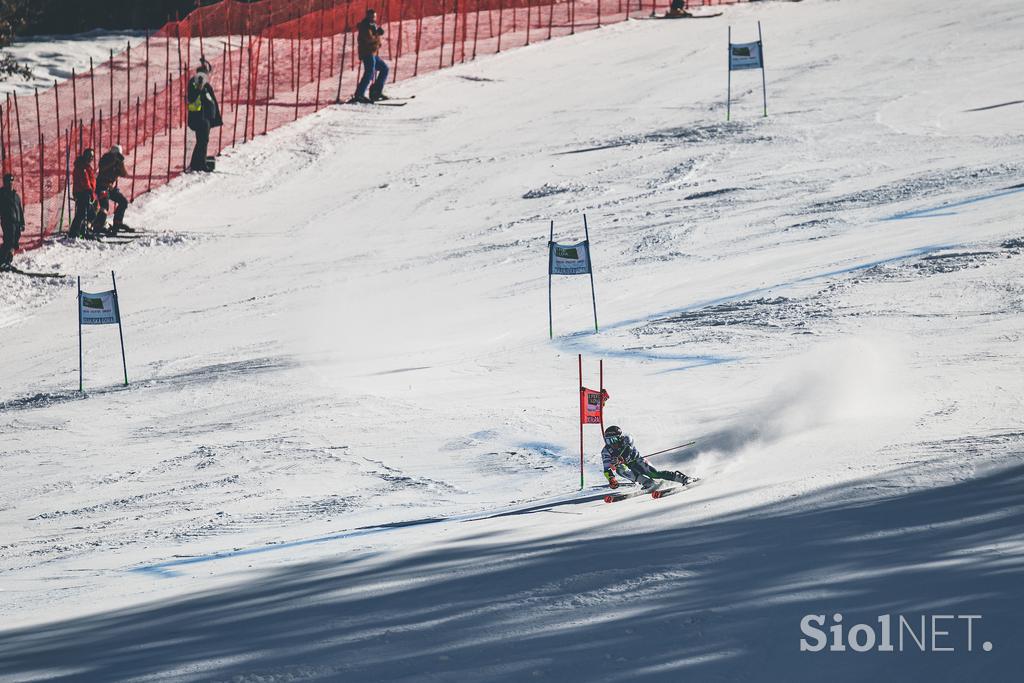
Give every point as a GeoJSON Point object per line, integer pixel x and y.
{"type": "Point", "coordinates": [745, 56]}
{"type": "Point", "coordinates": [570, 259]}
{"type": "Point", "coordinates": [98, 309]}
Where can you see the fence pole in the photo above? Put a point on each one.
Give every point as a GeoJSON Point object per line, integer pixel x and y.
{"type": "Point", "coordinates": [440, 57]}
{"type": "Point", "coordinates": [152, 150]}
{"type": "Point", "coordinates": [419, 37]}
{"type": "Point", "coordinates": [21, 153]}
{"type": "Point", "coordinates": [92, 104]}
{"type": "Point", "coordinates": [110, 111]}
{"type": "Point", "coordinates": [270, 82]}
{"type": "Point", "coordinates": [529, 7]}
{"type": "Point", "coordinates": [3, 143]}
{"type": "Point", "coordinates": [135, 143]}
{"type": "Point", "coordinates": [476, 28]}
{"type": "Point", "coordinates": [455, 30]}
{"type": "Point", "coordinates": [128, 94]}
{"type": "Point", "coordinates": [551, 20]}
{"type": "Point", "coordinates": [42, 189]}
{"type": "Point", "coordinates": [320, 59]}
{"type": "Point", "coordinates": [298, 63]}
{"type": "Point", "coordinates": [501, 18]}
{"type": "Point", "coordinates": [401, 31]}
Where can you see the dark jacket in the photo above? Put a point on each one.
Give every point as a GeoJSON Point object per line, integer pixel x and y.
{"type": "Point", "coordinates": [111, 168]}
{"type": "Point", "coordinates": [369, 38]}
{"type": "Point", "coordinates": [12, 214]}
{"type": "Point", "coordinates": [202, 102]}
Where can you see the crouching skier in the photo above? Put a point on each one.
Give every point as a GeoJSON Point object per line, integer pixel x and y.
{"type": "Point", "coordinates": [620, 457]}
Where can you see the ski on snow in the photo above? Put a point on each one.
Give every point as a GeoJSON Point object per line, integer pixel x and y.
{"type": "Point", "coordinates": [19, 271]}
{"type": "Point", "coordinates": [656, 493]}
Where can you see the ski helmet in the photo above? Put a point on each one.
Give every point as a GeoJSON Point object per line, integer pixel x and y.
{"type": "Point", "coordinates": [612, 435]}
{"type": "Point", "coordinates": [116, 149]}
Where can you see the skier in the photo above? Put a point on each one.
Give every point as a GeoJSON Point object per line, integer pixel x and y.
{"type": "Point", "coordinates": [375, 70]}
{"type": "Point", "coordinates": [203, 114]}
{"type": "Point", "coordinates": [111, 168]}
{"type": "Point", "coordinates": [12, 219]}
{"type": "Point", "coordinates": [621, 457]}
{"type": "Point", "coordinates": [84, 190]}
{"type": "Point", "coordinates": [678, 9]}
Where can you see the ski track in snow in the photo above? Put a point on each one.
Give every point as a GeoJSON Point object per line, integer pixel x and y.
{"type": "Point", "coordinates": [347, 431]}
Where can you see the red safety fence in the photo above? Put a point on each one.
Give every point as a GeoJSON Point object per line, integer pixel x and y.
{"type": "Point", "coordinates": [274, 61]}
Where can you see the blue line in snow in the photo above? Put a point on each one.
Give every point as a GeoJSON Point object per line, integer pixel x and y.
{"type": "Point", "coordinates": [933, 211]}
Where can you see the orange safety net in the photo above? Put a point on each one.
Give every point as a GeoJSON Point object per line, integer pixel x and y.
{"type": "Point", "coordinates": [274, 61]}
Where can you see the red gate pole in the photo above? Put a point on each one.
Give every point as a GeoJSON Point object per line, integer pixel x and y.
{"type": "Point", "coordinates": [579, 358]}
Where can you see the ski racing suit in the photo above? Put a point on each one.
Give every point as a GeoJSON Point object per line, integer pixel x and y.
{"type": "Point", "coordinates": [622, 458]}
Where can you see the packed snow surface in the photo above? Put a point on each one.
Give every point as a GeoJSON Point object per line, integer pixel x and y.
{"type": "Point", "coordinates": [349, 451]}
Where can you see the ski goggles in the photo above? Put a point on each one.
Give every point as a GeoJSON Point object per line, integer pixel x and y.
{"type": "Point", "coordinates": [613, 440]}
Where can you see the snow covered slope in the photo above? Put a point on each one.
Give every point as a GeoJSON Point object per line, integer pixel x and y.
{"type": "Point", "coordinates": [341, 373]}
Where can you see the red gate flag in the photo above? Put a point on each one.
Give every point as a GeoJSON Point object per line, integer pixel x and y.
{"type": "Point", "coordinates": [591, 405]}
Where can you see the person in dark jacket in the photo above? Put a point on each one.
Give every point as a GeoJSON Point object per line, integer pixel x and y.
{"type": "Point", "coordinates": [12, 219]}
{"type": "Point", "coordinates": [621, 457]}
{"type": "Point", "coordinates": [203, 113]}
{"type": "Point", "coordinates": [84, 192]}
{"type": "Point", "coordinates": [111, 168]}
{"type": "Point", "coordinates": [375, 70]}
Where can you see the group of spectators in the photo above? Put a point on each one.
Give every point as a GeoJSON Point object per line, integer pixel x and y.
{"type": "Point", "coordinates": [94, 188]}
{"type": "Point", "coordinates": [93, 191]}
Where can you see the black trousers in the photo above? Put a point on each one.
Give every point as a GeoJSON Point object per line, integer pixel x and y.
{"type": "Point", "coordinates": [83, 214]}
{"type": "Point", "coordinates": [199, 153]}
{"type": "Point", "coordinates": [12, 235]}
{"type": "Point", "coordinates": [120, 204]}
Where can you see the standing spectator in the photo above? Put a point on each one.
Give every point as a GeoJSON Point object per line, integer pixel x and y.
{"type": "Point", "coordinates": [12, 218]}
{"type": "Point", "coordinates": [84, 189]}
{"type": "Point", "coordinates": [375, 70]}
{"type": "Point", "coordinates": [111, 168]}
{"type": "Point", "coordinates": [203, 113]}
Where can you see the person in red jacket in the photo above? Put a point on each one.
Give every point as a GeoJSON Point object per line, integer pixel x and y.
{"type": "Point", "coordinates": [84, 189]}
{"type": "Point", "coordinates": [111, 168]}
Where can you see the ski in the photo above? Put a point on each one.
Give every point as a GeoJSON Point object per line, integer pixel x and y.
{"type": "Point", "coordinates": [691, 16]}
{"type": "Point", "coordinates": [661, 493]}
{"type": "Point", "coordinates": [19, 271]}
{"type": "Point", "coordinates": [638, 491]}
{"type": "Point", "coordinates": [379, 103]}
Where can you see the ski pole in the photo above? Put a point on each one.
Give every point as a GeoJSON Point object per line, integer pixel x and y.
{"type": "Point", "coordinates": [674, 448]}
